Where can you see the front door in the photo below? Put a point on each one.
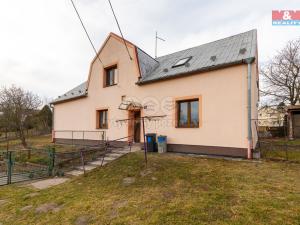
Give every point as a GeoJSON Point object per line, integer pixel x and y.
{"type": "Point", "coordinates": [137, 126]}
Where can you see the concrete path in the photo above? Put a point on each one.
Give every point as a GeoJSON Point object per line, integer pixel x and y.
{"type": "Point", "coordinates": [109, 157]}
{"type": "Point", "coordinates": [43, 184]}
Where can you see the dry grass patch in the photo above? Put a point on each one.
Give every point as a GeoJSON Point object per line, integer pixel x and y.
{"type": "Point", "coordinates": [185, 190]}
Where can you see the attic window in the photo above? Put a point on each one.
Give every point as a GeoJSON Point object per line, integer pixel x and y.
{"type": "Point", "coordinates": [243, 50]}
{"type": "Point", "coordinates": [182, 62]}
{"type": "Point", "coordinates": [110, 76]}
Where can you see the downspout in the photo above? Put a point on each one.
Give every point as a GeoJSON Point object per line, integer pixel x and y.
{"type": "Point", "coordinates": [53, 133]}
{"type": "Point", "coordinates": [249, 62]}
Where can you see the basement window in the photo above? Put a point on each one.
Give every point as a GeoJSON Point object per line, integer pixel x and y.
{"type": "Point", "coordinates": [102, 121]}
{"type": "Point", "coordinates": [182, 62]}
{"type": "Point", "coordinates": [188, 113]}
{"type": "Point", "coordinates": [110, 76]}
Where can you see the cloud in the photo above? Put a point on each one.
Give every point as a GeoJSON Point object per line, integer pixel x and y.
{"type": "Point", "coordinates": [43, 47]}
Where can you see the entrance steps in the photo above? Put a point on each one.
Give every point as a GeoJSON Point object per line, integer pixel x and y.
{"type": "Point", "coordinates": [101, 161]}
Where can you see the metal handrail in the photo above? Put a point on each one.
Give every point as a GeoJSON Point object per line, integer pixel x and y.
{"type": "Point", "coordinates": [72, 132]}
{"type": "Point", "coordinates": [107, 145]}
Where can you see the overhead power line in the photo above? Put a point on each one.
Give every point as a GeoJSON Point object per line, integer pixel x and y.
{"type": "Point", "coordinates": [112, 9]}
{"type": "Point", "coordinates": [87, 34]}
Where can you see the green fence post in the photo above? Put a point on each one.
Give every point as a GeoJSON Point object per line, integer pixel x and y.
{"type": "Point", "coordinates": [9, 167]}
{"type": "Point", "coordinates": [51, 155]}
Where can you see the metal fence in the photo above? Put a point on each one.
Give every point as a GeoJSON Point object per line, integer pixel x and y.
{"type": "Point", "coordinates": [79, 137]}
{"type": "Point", "coordinates": [65, 161]}
{"type": "Point", "coordinates": [30, 164]}
{"type": "Point", "coordinates": [279, 150]}
{"type": "Point", "coordinates": [24, 165]}
{"type": "Point", "coordinates": [273, 141]}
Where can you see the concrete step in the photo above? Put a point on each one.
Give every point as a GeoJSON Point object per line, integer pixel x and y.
{"type": "Point", "coordinates": [97, 163]}
{"type": "Point", "coordinates": [75, 173]}
{"type": "Point", "coordinates": [106, 158]}
{"type": "Point", "coordinates": [120, 151]}
{"type": "Point", "coordinates": [111, 156]}
{"type": "Point", "coordinates": [86, 167]}
{"type": "Point", "coordinates": [136, 148]}
{"type": "Point", "coordinates": [114, 155]}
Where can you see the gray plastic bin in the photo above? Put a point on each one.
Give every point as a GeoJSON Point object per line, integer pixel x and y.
{"type": "Point", "coordinates": [162, 144]}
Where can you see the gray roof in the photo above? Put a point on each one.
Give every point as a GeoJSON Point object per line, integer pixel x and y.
{"type": "Point", "coordinates": [77, 92]}
{"type": "Point", "coordinates": [226, 52]}
{"type": "Point", "coordinates": [146, 62]}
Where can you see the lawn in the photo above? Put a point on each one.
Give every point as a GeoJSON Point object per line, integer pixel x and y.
{"type": "Point", "coordinates": [34, 142]}
{"type": "Point", "coordinates": [38, 142]}
{"type": "Point", "coordinates": [282, 141]}
{"type": "Point", "coordinates": [280, 149]}
{"type": "Point", "coordinates": [173, 189]}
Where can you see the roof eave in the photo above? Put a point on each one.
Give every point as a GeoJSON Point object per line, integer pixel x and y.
{"type": "Point", "coordinates": [68, 100]}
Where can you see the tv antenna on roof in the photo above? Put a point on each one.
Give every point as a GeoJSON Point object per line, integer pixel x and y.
{"type": "Point", "coordinates": [157, 38]}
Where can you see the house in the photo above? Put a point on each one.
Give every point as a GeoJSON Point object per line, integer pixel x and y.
{"type": "Point", "coordinates": [270, 117]}
{"type": "Point", "coordinates": [271, 122]}
{"type": "Point", "coordinates": [205, 97]}
{"type": "Point", "coordinates": [293, 113]}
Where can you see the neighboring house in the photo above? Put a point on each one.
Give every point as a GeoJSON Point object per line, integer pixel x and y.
{"type": "Point", "coordinates": [293, 112]}
{"type": "Point", "coordinates": [270, 117]}
{"type": "Point", "coordinates": [207, 94]}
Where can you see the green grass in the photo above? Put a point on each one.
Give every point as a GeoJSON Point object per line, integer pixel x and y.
{"type": "Point", "coordinates": [34, 142]}
{"type": "Point", "coordinates": [172, 190]}
{"type": "Point", "coordinates": [38, 142]}
{"type": "Point", "coordinates": [291, 155]}
{"type": "Point", "coordinates": [284, 141]}
{"type": "Point", "coordinates": [276, 149]}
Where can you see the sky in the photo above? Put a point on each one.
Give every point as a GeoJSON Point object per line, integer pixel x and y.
{"type": "Point", "coordinates": [43, 47]}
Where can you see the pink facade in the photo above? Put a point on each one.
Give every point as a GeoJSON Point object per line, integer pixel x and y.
{"type": "Point", "coordinates": [221, 94]}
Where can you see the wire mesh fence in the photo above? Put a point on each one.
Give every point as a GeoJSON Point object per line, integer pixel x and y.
{"type": "Point", "coordinates": [273, 140]}
{"type": "Point", "coordinates": [65, 161]}
{"type": "Point", "coordinates": [3, 168]}
{"type": "Point", "coordinates": [29, 164]}
{"type": "Point", "coordinates": [279, 150]}
{"type": "Point", "coordinates": [23, 165]}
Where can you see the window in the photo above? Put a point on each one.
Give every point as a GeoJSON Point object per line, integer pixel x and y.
{"type": "Point", "coordinates": [102, 121]}
{"type": "Point", "coordinates": [181, 62]}
{"type": "Point", "coordinates": [188, 113]}
{"type": "Point", "coordinates": [110, 76]}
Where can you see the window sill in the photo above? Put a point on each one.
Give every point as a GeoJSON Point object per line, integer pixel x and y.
{"type": "Point", "coordinates": [188, 127]}
{"type": "Point", "coordinates": [110, 85]}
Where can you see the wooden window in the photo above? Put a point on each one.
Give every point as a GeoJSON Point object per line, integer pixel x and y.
{"type": "Point", "coordinates": [102, 121]}
{"type": "Point", "coordinates": [110, 76]}
{"type": "Point", "coordinates": [188, 113]}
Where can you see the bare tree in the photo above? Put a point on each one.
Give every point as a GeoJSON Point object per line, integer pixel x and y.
{"type": "Point", "coordinates": [16, 105]}
{"type": "Point", "coordinates": [281, 75]}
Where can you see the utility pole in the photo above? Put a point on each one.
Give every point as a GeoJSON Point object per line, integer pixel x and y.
{"type": "Point", "coordinates": [157, 38]}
